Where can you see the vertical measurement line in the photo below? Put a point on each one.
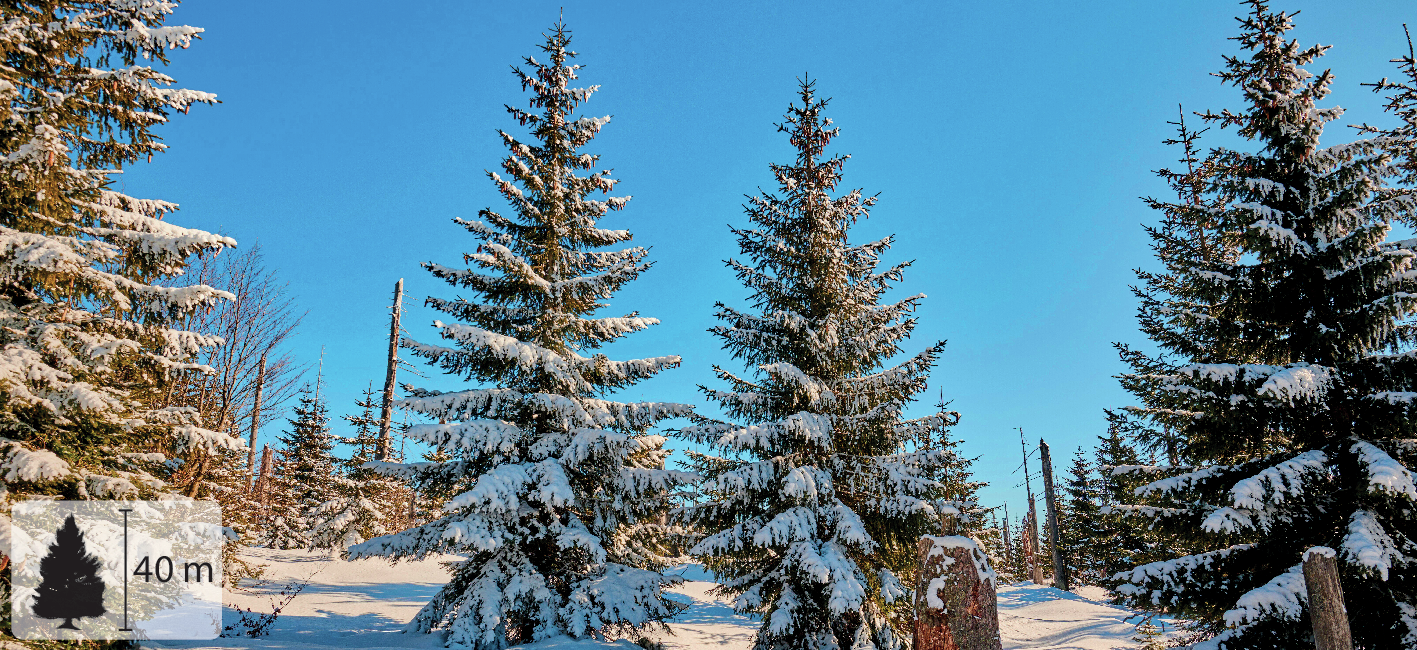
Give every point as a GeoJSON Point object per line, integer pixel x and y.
{"type": "Point", "coordinates": [125, 627]}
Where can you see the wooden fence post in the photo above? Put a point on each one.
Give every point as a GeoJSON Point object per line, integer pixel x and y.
{"type": "Point", "coordinates": [956, 606]}
{"type": "Point", "coordinates": [1326, 609]}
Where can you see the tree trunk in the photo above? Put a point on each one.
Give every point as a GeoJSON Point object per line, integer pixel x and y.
{"type": "Point", "coordinates": [263, 484]}
{"type": "Point", "coordinates": [390, 374]}
{"type": "Point", "coordinates": [1035, 572]}
{"type": "Point", "coordinates": [1032, 548]}
{"type": "Point", "coordinates": [1060, 570]}
{"type": "Point", "coordinates": [255, 425]}
{"type": "Point", "coordinates": [1326, 609]}
{"type": "Point", "coordinates": [955, 608]}
{"type": "Point", "coordinates": [1008, 545]}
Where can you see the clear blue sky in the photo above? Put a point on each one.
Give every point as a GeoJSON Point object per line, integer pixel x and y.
{"type": "Point", "coordinates": [1009, 142]}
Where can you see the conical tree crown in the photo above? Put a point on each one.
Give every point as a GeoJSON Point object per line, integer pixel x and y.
{"type": "Point", "coordinates": [539, 272]}
{"type": "Point", "coordinates": [70, 586]}
{"type": "Point", "coordinates": [817, 467]}
{"type": "Point", "coordinates": [555, 487]}
{"type": "Point", "coordinates": [1300, 428]}
{"type": "Point", "coordinates": [307, 460]}
{"type": "Point", "coordinates": [365, 440]}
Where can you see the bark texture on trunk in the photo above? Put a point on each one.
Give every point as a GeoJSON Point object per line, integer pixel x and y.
{"type": "Point", "coordinates": [1060, 570]}
{"type": "Point", "coordinates": [956, 607]}
{"type": "Point", "coordinates": [255, 427]}
{"type": "Point", "coordinates": [263, 483]}
{"type": "Point", "coordinates": [391, 371]}
{"type": "Point", "coordinates": [1326, 609]}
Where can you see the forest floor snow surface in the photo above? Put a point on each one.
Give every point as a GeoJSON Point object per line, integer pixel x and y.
{"type": "Point", "coordinates": [363, 605]}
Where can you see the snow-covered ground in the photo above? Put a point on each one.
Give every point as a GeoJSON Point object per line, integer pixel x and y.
{"type": "Point", "coordinates": [362, 605]}
{"type": "Point", "coordinates": [1033, 616]}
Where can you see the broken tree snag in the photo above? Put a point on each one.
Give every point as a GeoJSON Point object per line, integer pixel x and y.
{"type": "Point", "coordinates": [1326, 609]}
{"type": "Point", "coordinates": [386, 410]}
{"type": "Point", "coordinates": [1060, 570]}
{"type": "Point", "coordinates": [255, 427]}
{"type": "Point", "coordinates": [955, 602]}
{"type": "Point", "coordinates": [263, 483]}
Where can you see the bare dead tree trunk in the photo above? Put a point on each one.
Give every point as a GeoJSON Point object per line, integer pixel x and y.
{"type": "Point", "coordinates": [1035, 572]}
{"type": "Point", "coordinates": [955, 608]}
{"type": "Point", "coordinates": [1326, 609]}
{"type": "Point", "coordinates": [1008, 544]}
{"type": "Point", "coordinates": [255, 426]}
{"type": "Point", "coordinates": [1030, 535]}
{"type": "Point", "coordinates": [390, 374]}
{"type": "Point", "coordinates": [264, 483]}
{"type": "Point", "coordinates": [200, 470]}
{"type": "Point", "coordinates": [1060, 570]}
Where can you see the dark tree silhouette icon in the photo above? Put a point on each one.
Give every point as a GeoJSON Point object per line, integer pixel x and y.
{"type": "Point", "coordinates": [69, 586]}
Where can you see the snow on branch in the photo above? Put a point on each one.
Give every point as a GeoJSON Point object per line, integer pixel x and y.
{"type": "Point", "coordinates": [1275, 484]}
{"type": "Point", "coordinates": [1368, 545]}
{"type": "Point", "coordinates": [479, 436]}
{"type": "Point", "coordinates": [1385, 473]}
{"type": "Point", "coordinates": [1143, 582]}
{"type": "Point", "coordinates": [1299, 382]}
{"type": "Point", "coordinates": [1283, 596]}
{"type": "Point", "coordinates": [30, 465]}
{"type": "Point", "coordinates": [1178, 483]}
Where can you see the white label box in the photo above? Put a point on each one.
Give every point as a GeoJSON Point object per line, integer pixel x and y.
{"type": "Point", "coordinates": [116, 570]}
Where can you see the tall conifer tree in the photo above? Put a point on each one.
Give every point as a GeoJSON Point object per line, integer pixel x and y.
{"type": "Point", "coordinates": [85, 323]}
{"type": "Point", "coordinates": [814, 505]}
{"type": "Point", "coordinates": [1301, 409]}
{"type": "Point", "coordinates": [86, 327]}
{"type": "Point", "coordinates": [1124, 543]}
{"type": "Point", "coordinates": [553, 482]}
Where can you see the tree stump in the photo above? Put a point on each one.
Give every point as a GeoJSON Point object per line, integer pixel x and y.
{"type": "Point", "coordinates": [1326, 609]}
{"type": "Point", "coordinates": [955, 602]}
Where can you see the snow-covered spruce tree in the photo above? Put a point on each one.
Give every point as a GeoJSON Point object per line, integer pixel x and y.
{"type": "Point", "coordinates": [362, 497]}
{"type": "Point", "coordinates": [1082, 530]}
{"type": "Point", "coordinates": [305, 478]}
{"type": "Point", "coordinates": [1125, 541]}
{"type": "Point", "coordinates": [1401, 140]}
{"type": "Point", "coordinates": [819, 491]}
{"type": "Point", "coordinates": [555, 482]}
{"type": "Point", "coordinates": [85, 327]}
{"type": "Point", "coordinates": [1175, 306]}
{"type": "Point", "coordinates": [1299, 432]}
